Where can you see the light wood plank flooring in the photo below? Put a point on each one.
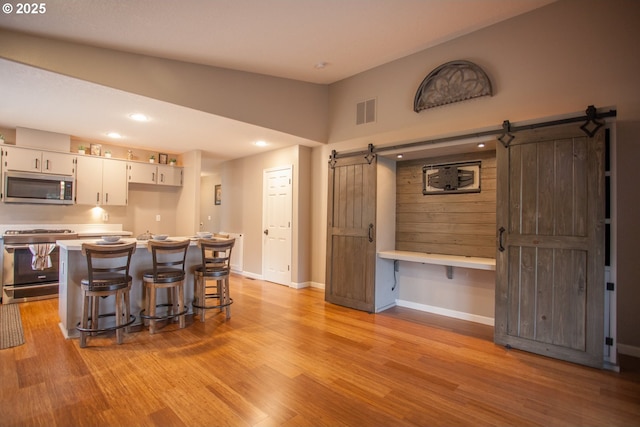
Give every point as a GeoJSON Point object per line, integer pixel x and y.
{"type": "Point", "coordinates": [287, 358]}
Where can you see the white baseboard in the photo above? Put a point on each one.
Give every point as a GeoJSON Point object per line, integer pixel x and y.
{"type": "Point", "coordinates": [307, 285]}
{"type": "Point", "coordinates": [446, 312]}
{"type": "Point", "coordinates": [302, 285]}
{"type": "Point", "coordinates": [250, 275]}
{"type": "Point", "coordinates": [386, 307]}
{"type": "Point", "coordinates": [629, 350]}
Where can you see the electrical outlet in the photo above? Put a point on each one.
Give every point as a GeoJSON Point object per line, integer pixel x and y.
{"type": "Point", "coordinates": [157, 217]}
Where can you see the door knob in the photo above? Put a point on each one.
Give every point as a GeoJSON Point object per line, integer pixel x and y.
{"type": "Point", "coordinates": [266, 232]}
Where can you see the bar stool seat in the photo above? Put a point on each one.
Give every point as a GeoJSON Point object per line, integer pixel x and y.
{"type": "Point", "coordinates": [216, 258]}
{"type": "Point", "coordinates": [168, 273]}
{"type": "Point", "coordinates": [107, 275]}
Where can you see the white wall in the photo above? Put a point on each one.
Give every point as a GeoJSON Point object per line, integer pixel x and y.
{"type": "Point", "coordinates": [470, 295]}
{"type": "Point", "coordinates": [209, 211]}
{"type": "Point", "coordinates": [241, 208]}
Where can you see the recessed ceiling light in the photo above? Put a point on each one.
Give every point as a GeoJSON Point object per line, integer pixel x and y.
{"type": "Point", "coordinates": [114, 135]}
{"type": "Point", "coordinates": [260, 143]}
{"type": "Point", "coordinates": [480, 144]}
{"type": "Point", "coordinates": [321, 65]}
{"type": "Point", "coordinates": [139, 117]}
{"type": "Point", "coordinates": [399, 156]}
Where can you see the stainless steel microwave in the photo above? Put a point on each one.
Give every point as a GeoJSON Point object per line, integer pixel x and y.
{"type": "Point", "coordinates": [33, 187]}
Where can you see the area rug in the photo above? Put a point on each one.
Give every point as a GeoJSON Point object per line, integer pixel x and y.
{"type": "Point", "coordinates": [11, 333]}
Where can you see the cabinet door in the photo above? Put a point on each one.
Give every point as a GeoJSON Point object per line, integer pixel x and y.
{"type": "Point", "coordinates": [114, 183]}
{"type": "Point", "coordinates": [169, 175]}
{"type": "Point", "coordinates": [89, 181]}
{"type": "Point", "coordinates": [57, 163]}
{"type": "Point", "coordinates": [142, 173]}
{"type": "Point", "coordinates": [22, 159]}
{"type": "Point", "coordinates": [29, 160]}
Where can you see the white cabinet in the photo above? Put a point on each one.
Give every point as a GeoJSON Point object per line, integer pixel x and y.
{"type": "Point", "coordinates": [30, 160]}
{"type": "Point", "coordinates": [169, 175]}
{"type": "Point", "coordinates": [142, 173]}
{"type": "Point", "coordinates": [101, 181]}
{"type": "Point", "coordinates": [149, 173]}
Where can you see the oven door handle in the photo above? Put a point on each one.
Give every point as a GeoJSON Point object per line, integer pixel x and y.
{"type": "Point", "coordinates": [30, 286]}
{"type": "Point", "coordinates": [11, 248]}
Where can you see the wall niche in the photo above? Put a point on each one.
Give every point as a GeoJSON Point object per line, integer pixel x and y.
{"type": "Point", "coordinates": [453, 224]}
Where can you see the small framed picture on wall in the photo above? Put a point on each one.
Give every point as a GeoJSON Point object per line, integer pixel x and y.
{"type": "Point", "coordinates": [163, 158]}
{"type": "Point", "coordinates": [96, 149]}
{"type": "Point", "coordinates": [218, 194]}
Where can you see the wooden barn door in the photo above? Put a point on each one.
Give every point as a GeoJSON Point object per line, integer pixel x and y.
{"type": "Point", "coordinates": [351, 244]}
{"type": "Point", "coordinates": [550, 258]}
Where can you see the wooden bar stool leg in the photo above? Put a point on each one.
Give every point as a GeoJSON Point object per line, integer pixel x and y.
{"type": "Point", "coordinates": [85, 320]}
{"type": "Point", "coordinates": [180, 290]}
{"type": "Point", "coordinates": [119, 302]}
{"type": "Point", "coordinates": [152, 309]}
{"type": "Point", "coordinates": [227, 297]}
{"type": "Point", "coordinates": [170, 302]}
{"type": "Point", "coordinates": [95, 305]}
{"type": "Point", "coordinates": [127, 309]}
{"type": "Point", "coordinates": [202, 297]}
{"type": "Point", "coordinates": [220, 291]}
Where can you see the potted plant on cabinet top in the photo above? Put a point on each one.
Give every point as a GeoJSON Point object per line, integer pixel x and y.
{"type": "Point", "coordinates": [107, 153]}
{"type": "Point", "coordinates": [172, 162]}
{"type": "Point", "coordinates": [152, 158]}
{"type": "Point", "coordinates": [81, 149]}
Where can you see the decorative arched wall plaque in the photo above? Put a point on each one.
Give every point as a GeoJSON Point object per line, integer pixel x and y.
{"type": "Point", "coordinates": [454, 81]}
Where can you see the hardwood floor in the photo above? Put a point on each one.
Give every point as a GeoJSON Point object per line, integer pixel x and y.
{"type": "Point", "coordinates": [287, 358]}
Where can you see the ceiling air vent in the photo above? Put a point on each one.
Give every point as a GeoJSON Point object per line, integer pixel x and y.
{"type": "Point", "coordinates": [366, 111]}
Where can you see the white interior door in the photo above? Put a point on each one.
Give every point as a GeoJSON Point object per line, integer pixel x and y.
{"type": "Point", "coordinates": [277, 208]}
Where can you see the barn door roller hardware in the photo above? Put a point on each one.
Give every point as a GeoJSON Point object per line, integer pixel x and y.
{"type": "Point", "coordinates": [591, 126]}
{"type": "Point", "coordinates": [370, 156]}
{"type": "Point", "coordinates": [592, 123]}
{"type": "Point", "coordinates": [506, 137]}
{"type": "Point", "coordinates": [332, 159]}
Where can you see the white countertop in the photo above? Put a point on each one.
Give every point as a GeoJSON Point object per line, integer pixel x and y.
{"type": "Point", "coordinates": [76, 244]}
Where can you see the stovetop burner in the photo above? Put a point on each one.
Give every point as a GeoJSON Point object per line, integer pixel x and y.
{"type": "Point", "coordinates": [38, 231]}
{"type": "Point", "coordinates": [38, 235]}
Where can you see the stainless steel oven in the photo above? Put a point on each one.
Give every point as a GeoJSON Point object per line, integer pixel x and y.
{"type": "Point", "coordinates": [30, 264]}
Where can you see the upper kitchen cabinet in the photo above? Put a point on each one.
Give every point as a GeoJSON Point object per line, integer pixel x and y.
{"type": "Point", "coordinates": [149, 173]}
{"type": "Point", "coordinates": [169, 175]}
{"type": "Point", "coordinates": [30, 160]}
{"type": "Point", "coordinates": [101, 181]}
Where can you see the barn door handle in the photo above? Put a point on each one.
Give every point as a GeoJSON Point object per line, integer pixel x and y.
{"type": "Point", "coordinates": [370, 233]}
{"type": "Point", "coordinates": [500, 246]}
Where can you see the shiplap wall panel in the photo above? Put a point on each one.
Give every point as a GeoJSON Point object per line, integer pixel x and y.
{"type": "Point", "coordinates": [452, 224]}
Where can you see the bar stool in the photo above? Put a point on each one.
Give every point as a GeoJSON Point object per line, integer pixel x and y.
{"type": "Point", "coordinates": [107, 274]}
{"type": "Point", "coordinates": [216, 257]}
{"type": "Point", "coordinates": [167, 273]}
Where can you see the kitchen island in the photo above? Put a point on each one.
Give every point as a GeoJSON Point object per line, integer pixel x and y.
{"type": "Point", "coordinates": [73, 268]}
